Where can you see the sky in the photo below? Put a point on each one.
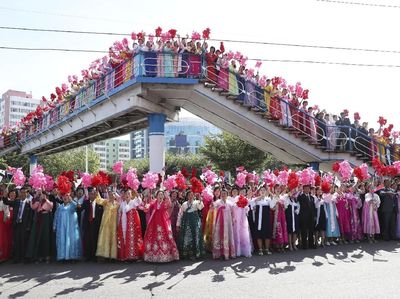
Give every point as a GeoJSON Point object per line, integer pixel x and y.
{"type": "Point", "coordinates": [371, 91]}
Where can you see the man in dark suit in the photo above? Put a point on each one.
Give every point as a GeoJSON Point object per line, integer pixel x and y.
{"type": "Point", "coordinates": [363, 143]}
{"type": "Point", "coordinates": [321, 129]}
{"type": "Point", "coordinates": [307, 215]}
{"type": "Point", "coordinates": [91, 224]}
{"type": "Point", "coordinates": [388, 211]}
{"type": "Point", "coordinates": [344, 136]}
{"type": "Point", "coordinates": [22, 223]}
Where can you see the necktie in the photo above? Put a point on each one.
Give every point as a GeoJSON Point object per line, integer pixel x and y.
{"type": "Point", "coordinates": [21, 210]}
{"type": "Point", "coordinates": [90, 212]}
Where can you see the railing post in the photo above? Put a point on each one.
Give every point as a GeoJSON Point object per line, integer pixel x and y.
{"type": "Point", "coordinates": [287, 113]}
{"type": "Point", "coordinates": [141, 60]}
{"type": "Point", "coordinates": [350, 140]}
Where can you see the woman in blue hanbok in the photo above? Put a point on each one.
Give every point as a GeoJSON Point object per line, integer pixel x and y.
{"type": "Point", "coordinates": [150, 60]}
{"type": "Point", "coordinates": [250, 98]}
{"type": "Point", "coordinates": [168, 60]}
{"type": "Point", "coordinates": [332, 225]}
{"type": "Point", "coordinates": [68, 240]}
{"type": "Point", "coordinates": [241, 81]}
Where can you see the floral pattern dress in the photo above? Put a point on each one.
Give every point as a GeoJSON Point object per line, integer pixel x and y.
{"type": "Point", "coordinates": [159, 244]}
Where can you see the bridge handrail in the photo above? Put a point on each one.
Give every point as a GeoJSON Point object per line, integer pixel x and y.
{"type": "Point", "coordinates": [146, 64]}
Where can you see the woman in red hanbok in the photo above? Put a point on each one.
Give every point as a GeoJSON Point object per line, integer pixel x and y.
{"type": "Point", "coordinates": [303, 118]}
{"type": "Point", "coordinates": [275, 105]}
{"type": "Point", "coordinates": [6, 228]}
{"type": "Point", "coordinates": [159, 244]}
{"type": "Point", "coordinates": [129, 232]}
{"type": "Point", "coordinates": [294, 110]}
{"type": "Point", "coordinates": [211, 59]}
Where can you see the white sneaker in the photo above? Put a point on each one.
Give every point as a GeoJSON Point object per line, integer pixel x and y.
{"type": "Point", "coordinates": [328, 244]}
{"type": "Point", "coordinates": [333, 243]}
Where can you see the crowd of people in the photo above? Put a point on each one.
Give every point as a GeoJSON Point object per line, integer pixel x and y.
{"type": "Point", "coordinates": [167, 54]}
{"type": "Point", "coordinates": [161, 220]}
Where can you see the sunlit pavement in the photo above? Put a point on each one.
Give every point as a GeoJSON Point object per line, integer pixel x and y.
{"type": "Point", "coordinates": [347, 271]}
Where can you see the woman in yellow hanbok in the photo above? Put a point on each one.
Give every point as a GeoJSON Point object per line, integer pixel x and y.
{"type": "Point", "coordinates": [381, 147]}
{"type": "Point", "coordinates": [210, 219]}
{"type": "Point", "coordinates": [107, 241]}
{"type": "Point", "coordinates": [267, 94]}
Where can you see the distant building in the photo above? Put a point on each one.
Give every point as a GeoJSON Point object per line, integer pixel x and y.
{"type": "Point", "coordinates": [139, 144]}
{"type": "Point", "coordinates": [14, 105]}
{"type": "Point", "coordinates": [185, 136]}
{"type": "Point", "coordinates": [111, 151]}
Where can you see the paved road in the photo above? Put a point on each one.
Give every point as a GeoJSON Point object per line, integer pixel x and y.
{"type": "Point", "coordinates": [348, 271]}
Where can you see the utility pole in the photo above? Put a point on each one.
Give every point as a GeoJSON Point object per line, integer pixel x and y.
{"type": "Point", "coordinates": [86, 159]}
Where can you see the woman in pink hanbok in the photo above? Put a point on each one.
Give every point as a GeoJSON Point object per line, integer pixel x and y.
{"type": "Point", "coordinates": [343, 209]}
{"type": "Point", "coordinates": [279, 228]}
{"type": "Point", "coordinates": [312, 126]}
{"type": "Point", "coordinates": [370, 215]}
{"type": "Point", "coordinates": [286, 116]}
{"type": "Point", "coordinates": [223, 75]}
{"type": "Point", "coordinates": [241, 230]}
{"type": "Point", "coordinates": [223, 242]}
{"type": "Point", "coordinates": [160, 58]}
{"type": "Point", "coordinates": [355, 222]}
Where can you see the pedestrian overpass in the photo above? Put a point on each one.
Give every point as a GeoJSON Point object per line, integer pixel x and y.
{"type": "Point", "coordinates": [134, 96]}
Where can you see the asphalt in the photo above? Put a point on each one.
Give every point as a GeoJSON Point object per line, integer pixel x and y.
{"type": "Point", "coordinates": [347, 271]}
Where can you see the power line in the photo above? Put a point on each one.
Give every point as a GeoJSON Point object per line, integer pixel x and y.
{"type": "Point", "coordinates": [329, 62]}
{"type": "Point", "coordinates": [252, 59]}
{"type": "Point", "coordinates": [62, 31]}
{"type": "Point", "coordinates": [213, 39]}
{"type": "Point", "coordinates": [50, 49]}
{"type": "Point", "coordinates": [361, 3]}
{"type": "Point", "coordinates": [63, 15]}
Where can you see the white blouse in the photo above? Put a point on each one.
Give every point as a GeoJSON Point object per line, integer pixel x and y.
{"type": "Point", "coordinates": [196, 205]}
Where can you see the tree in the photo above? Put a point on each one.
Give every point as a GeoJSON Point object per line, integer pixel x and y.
{"type": "Point", "coordinates": [228, 151]}
{"type": "Point", "coordinates": [173, 163]}
{"type": "Point", "coordinates": [17, 161]}
{"type": "Point", "coordinates": [69, 160]}
{"type": "Point", "coordinates": [141, 165]}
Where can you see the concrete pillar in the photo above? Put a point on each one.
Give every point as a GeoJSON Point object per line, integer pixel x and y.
{"type": "Point", "coordinates": [32, 163]}
{"type": "Point", "coordinates": [156, 141]}
{"type": "Point", "coordinates": [314, 166]}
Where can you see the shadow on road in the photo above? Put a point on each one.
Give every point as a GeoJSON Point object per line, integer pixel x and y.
{"type": "Point", "coordinates": [157, 275]}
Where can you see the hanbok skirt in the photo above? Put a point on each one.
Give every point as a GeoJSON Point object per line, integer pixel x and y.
{"type": "Point", "coordinates": [371, 220]}
{"type": "Point", "coordinates": [190, 242]}
{"type": "Point", "coordinates": [332, 225]}
{"type": "Point", "coordinates": [223, 243]}
{"type": "Point", "coordinates": [130, 247]}
{"type": "Point", "coordinates": [223, 79]}
{"type": "Point", "coordinates": [279, 233]}
{"type": "Point", "coordinates": [40, 239]}
{"type": "Point", "coordinates": [321, 226]}
{"type": "Point", "coordinates": [241, 231]}
{"type": "Point", "coordinates": [292, 222]}
{"type": "Point", "coordinates": [5, 237]}
{"type": "Point", "coordinates": [265, 231]}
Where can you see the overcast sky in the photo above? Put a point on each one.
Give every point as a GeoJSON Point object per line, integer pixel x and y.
{"type": "Point", "coordinates": [371, 91]}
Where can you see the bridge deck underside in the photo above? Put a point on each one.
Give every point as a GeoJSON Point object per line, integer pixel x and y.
{"type": "Point", "coordinates": [123, 124]}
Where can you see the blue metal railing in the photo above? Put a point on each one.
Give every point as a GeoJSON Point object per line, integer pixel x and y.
{"type": "Point", "coordinates": [191, 66]}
